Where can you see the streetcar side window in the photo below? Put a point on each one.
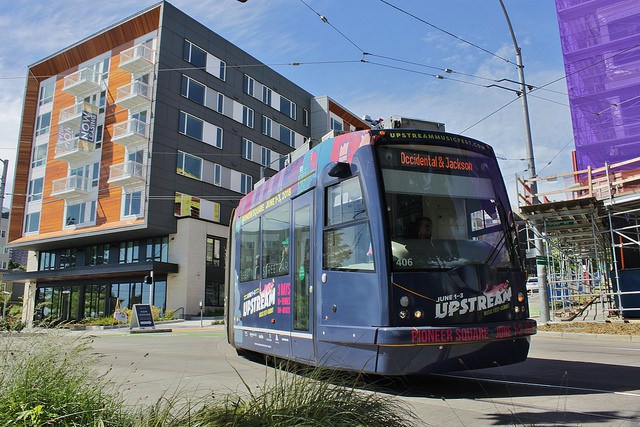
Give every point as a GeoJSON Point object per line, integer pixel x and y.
{"type": "Point", "coordinates": [250, 251]}
{"type": "Point", "coordinates": [275, 242]}
{"type": "Point", "coordinates": [344, 202]}
{"type": "Point", "coordinates": [347, 237]}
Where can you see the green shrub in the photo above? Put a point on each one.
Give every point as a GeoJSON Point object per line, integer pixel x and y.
{"type": "Point", "coordinates": [50, 380]}
{"type": "Point", "coordinates": [99, 321]}
{"type": "Point", "coordinates": [318, 398]}
{"type": "Point", "coordinates": [12, 324]}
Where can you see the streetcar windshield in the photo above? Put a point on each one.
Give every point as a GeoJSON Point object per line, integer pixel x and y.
{"type": "Point", "coordinates": [442, 208]}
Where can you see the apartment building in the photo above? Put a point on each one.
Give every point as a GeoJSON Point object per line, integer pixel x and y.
{"type": "Point", "coordinates": [136, 143]}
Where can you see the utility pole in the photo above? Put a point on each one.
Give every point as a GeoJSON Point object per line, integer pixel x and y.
{"type": "Point", "coordinates": [541, 268]}
{"type": "Point", "coordinates": [5, 166]}
{"type": "Point", "coordinates": [5, 294]}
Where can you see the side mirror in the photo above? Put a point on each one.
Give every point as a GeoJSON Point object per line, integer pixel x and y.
{"type": "Point", "coordinates": [340, 170]}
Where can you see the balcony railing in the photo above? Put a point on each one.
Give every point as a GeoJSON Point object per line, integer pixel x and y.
{"type": "Point", "coordinates": [126, 173]}
{"type": "Point", "coordinates": [82, 83]}
{"type": "Point", "coordinates": [135, 96]}
{"type": "Point", "coordinates": [131, 134]}
{"type": "Point", "coordinates": [73, 149]}
{"type": "Point", "coordinates": [70, 187]}
{"type": "Point", "coordinates": [71, 116]}
{"type": "Point", "coordinates": [137, 60]}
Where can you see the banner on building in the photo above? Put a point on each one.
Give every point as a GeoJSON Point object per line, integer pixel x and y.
{"type": "Point", "coordinates": [88, 122]}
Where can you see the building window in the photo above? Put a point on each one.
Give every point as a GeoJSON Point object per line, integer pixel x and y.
{"type": "Point", "coordinates": [217, 174]}
{"type": "Point", "coordinates": [35, 189]}
{"type": "Point", "coordinates": [158, 249]}
{"type": "Point", "coordinates": [132, 203]}
{"type": "Point", "coordinates": [99, 136]}
{"type": "Point", "coordinates": [248, 83]}
{"type": "Point", "coordinates": [336, 124]}
{"type": "Point", "coordinates": [246, 183]}
{"type": "Point", "coordinates": [265, 158]}
{"type": "Point", "coordinates": [220, 104]}
{"type": "Point", "coordinates": [99, 100]}
{"type": "Point", "coordinates": [46, 93]}
{"type": "Point", "coordinates": [67, 258]}
{"type": "Point", "coordinates": [305, 118]}
{"type": "Point", "coordinates": [287, 136]}
{"type": "Point", "coordinates": [223, 70]}
{"type": "Point", "coordinates": [39, 156]}
{"type": "Point", "coordinates": [129, 252]}
{"type": "Point", "coordinates": [214, 252]}
{"type": "Point", "coordinates": [97, 255]}
{"type": "Point", "coordinates": [195, 55]}
{"type": "Point", "coordinates": [287, 107]}
{"type": "Point", "coordinates": [247, 149]}
{"type": "Point", "coordinates": [75, 214]}
{"type": "Point", "coordinates": [32, 222]}
{"type": "Point", "coordinates": [218, 142]}
{"type": "Point", "coordinates": [266, 95]}
{"type": "Point", "coordinates": [43, 123]}
{"type": "Point", "coordinates": [214, 294]}
{"type": "Point", "coordinates": [193, 90]}
{"type": "Point", "coordinates": [81, 213]}
{"type": "Point", "coordinates": [267, 125]}
{"type": "Point", "coordinates": [188, 165]}
{"type": "Point", "coordinates": [47, 261]}
{"type": "Point", "coordinates": [191, 126]}
{"type": "Point", "coordinates": [247, 116]}
{"type": "Point", "coordinates": [95, 175]}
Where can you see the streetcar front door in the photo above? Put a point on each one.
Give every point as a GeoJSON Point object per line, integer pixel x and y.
{"type": "Point", "coordinates": [302, 273]}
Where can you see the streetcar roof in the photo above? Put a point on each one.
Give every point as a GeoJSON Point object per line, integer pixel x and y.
{"type": "Point", "coordinates": [301, 174]}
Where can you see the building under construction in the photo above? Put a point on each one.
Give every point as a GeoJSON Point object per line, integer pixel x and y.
{"type": "Point", "coordinates": [589, 219]}
{"type": "Point", "coordinates": [589, 223]}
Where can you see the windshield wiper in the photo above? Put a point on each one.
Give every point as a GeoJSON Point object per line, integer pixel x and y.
{"type": "Point", "coordinates": [494, 252]}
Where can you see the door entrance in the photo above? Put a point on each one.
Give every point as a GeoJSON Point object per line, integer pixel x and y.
{"type": "Point", "coordinates": [302, 274]}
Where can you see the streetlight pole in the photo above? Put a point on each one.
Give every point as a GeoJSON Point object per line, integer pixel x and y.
{"type": "Point", "coordinates": [541, 268]}
{"type": "Point", "coordinates": [5, 165]}
{"type": "Point", "coordinates": [264, 167]}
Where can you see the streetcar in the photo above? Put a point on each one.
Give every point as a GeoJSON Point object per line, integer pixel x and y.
{"type": "Point", "coordinates": [388, 251]}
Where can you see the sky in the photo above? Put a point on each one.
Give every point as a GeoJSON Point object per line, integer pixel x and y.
{"type": "Point", "coordinates": [374, 57]}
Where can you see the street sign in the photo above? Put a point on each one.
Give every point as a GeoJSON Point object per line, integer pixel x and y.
{"type": "Point", "coordinates": [542, 260]}
{"type": "Point", "coordinates": [557, 223]}
{"type": "Point", "coordinates": [142, 317]}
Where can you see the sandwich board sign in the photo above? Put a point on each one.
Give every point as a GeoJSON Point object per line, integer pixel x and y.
{"type": "Point", "coordinates": [142, 317]}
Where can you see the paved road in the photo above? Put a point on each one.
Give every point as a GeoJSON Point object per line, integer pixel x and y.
{"type": "Point", "coordinates": [568, 380]}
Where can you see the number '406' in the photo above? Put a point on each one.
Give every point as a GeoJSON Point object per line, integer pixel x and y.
{"type": "Point", "coordinates": [404, 262]}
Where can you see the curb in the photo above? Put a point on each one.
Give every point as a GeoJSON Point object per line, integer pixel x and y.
{"type": "Point", "coordinates": [599, 337]}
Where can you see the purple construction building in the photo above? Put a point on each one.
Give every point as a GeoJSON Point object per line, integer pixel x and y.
{"type": "Point", "coordinates": [601, 48]}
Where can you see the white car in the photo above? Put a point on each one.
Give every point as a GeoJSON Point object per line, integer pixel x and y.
{"type": "Point", "coordinates": [532, 284]}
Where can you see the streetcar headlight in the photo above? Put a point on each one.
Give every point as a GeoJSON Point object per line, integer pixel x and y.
{"type": "Point", "coordinates": [404, 314]}
{"type": "Point", "coordinates": [517, 309]}
{"type": "Point", "coordinates": [520, 297]}
{"type": "Point", "coordinates": [418, 314]}
{"type": "Point", "coordinates": [404, 301]}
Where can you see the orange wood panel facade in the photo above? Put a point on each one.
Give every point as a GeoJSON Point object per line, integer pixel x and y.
{"type": "Point", "coordinates": [115, 39]}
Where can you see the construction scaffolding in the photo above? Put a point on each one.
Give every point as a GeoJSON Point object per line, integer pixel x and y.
{"type": "Point", "coordinates": [589, 221]}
